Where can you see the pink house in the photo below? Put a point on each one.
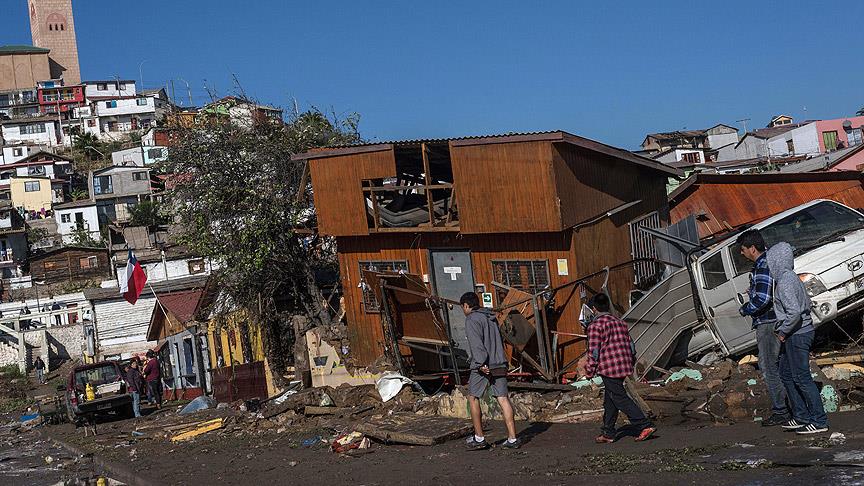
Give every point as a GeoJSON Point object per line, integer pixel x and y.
{"type": "Point", "coordinates": [840, 132]}
{"type": "Point", "coordinates": [854, 160]}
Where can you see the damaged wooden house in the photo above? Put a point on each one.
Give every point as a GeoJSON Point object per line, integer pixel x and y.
{"type": "Point", "coordinates": [529, 214]}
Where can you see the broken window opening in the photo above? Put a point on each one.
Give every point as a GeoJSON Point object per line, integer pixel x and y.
{"type": "Point", "coordinates": [642, 245]}
{"type": "Point", "coordinates": [370, 302]}
{"type": "Point", "coordinates": [413, 198]}
{"type": "Point", "coordinates": [531, 276]}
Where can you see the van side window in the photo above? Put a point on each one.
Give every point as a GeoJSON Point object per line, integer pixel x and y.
{"type": "Point", "coordinates": [713, 273]}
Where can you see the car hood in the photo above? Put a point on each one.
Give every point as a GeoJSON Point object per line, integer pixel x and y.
{"type": "Point", "coordinates": [834, 262]}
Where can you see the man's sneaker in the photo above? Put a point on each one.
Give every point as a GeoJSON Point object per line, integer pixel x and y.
{"type": "Point", "coordinates": [515, 444]}
{"type": "Point", "coordinates": [775, 419]}
{"type": "Point", "coordinates": [812, 429]}
{"type": "Point", "coordinates": [473, 445]}
{"type": "Point", "coordinates": [645, 434]}
{"type": "Point", "coordinates": [792, 424]}
{"type": "Point", "coordinates": [604, 439]}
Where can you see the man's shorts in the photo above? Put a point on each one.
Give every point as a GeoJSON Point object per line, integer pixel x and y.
{"type": "Point", "coordinates": [478, 382]}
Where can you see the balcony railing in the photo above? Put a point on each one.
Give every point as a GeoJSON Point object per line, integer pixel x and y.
{"type": "Point", "coordinates": [48, 318]}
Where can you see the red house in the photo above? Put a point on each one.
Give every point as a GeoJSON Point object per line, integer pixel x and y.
{"type": "Point", "coordinates": [62, 97]}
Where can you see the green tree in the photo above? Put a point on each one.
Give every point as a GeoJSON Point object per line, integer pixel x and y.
{"type": "Point", "coordinates": [235, 194]}
{"type": "Point", "coordinates": [148, 213]}
{"type": "Point", "coordinates": [860, 112]}
{"type": "Point", "coordinates": [82, 237]}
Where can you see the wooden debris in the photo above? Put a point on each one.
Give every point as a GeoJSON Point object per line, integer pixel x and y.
{"type": "Point", "coordinates": [409, 428]}
{"type": "Point", "coordinates": [203, 428]}
{"type": "Point", "coordinates": [577, 416]}
{"type": "Point", "coordinates": [850, 358]}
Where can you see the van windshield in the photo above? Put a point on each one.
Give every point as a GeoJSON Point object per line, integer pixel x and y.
{"type": "Point", "coordinates": [100, 375]}
{"type": "Point", "coordinates": [805, 229]}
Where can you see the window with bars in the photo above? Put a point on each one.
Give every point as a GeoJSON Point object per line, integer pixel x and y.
{"type": "Point", "coordinates": [530, 276]}
{"type": "Point", "coordinates": [642, 246]}
{"type": "Point", "coordinates": [370, 302]}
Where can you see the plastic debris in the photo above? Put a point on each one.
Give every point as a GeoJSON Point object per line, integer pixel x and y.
{"type": "Point", "coordinates": [346, 442]}
{"type": "Point", "coordinates": [685, 373]}
{"type": "Point", "coordinates": [326, 401]}
{"type": "Point", "coordinates": [200, 403]}
{"type": "Point", "coordinates": [837, 438]}
{"type": "Point", "coordinates": [583, 383]}
{"type": "Point", "coordinates": [311, 441]}
{"type": "Point", "coordinates": [390, 384]}
{"type": "Point", "coordinates": [751, 381]}
{"type": "Point", "coordinates": [829, 398]}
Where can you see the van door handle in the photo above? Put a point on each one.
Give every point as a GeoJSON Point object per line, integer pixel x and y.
{"type": "Point", "coordinates": [711, 311]}
{"type": "Point", "coordinates": [740, 298]}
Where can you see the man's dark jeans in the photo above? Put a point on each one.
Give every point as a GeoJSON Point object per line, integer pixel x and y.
{"type": "Point", "coordinates": [615, 399]}
{"type": "Point", "coordinates": [155, 389]}
{"type": "Point", "coordinates": [769, 365]}
{"type": "Point", "coordinates": [802, 390]}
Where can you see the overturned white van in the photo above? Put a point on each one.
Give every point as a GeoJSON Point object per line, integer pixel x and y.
{"type": "Point", "coordinates": [695, 309]}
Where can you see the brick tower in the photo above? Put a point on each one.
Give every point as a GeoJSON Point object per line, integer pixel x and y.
{"type": "Point", "coordinates": [53, 27]}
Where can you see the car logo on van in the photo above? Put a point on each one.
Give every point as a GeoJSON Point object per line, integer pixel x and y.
{"type": "Point", "coordinates": [855, 266]}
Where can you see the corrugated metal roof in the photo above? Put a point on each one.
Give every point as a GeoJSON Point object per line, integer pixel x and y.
{"type": "Point", "coordinates": [182, 304]}
{"type": "Point", "coordinates": [418, 141]}
{"type": "Point", "coordinates": [514, 137]}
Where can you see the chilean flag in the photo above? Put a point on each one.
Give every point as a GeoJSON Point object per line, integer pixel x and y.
{"type": "Point", "coordinates": [133, 283]}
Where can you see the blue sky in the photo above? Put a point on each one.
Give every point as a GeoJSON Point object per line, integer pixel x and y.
{"type": "Point", "coordinates": [612, 71]}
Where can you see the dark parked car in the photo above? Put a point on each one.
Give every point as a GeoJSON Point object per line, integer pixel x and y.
{"type": "Point", "coordinates": [106, 378]}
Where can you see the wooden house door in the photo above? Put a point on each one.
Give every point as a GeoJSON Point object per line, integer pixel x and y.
{"type": "Point", "coordinates": [452, 276]}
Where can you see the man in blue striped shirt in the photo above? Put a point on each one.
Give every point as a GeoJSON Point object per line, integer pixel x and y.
{"type": "Point", "coordinates": [760, 307]}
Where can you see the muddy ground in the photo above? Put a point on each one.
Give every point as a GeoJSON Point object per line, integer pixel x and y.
{"type": "Point", "coordinates": [682, 453]}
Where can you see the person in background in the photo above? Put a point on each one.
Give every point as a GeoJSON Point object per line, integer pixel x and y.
{"type": "Point", "coordinates": [611, 355]}
{"type": "Point", "coordinates": [39, 366]}
{"type": "Point", "coordinates": [134, 384]}
{"type": "Point", "coordinates": [57, 318]}
{"type": "Point", "coordinates": [152, 377]}
{"type": "Point", "coordinates": [488, 370]}
{"type": "Point", "coordinates": [760, 307]}
{"type": "Point", "coordinates": [795, 332]}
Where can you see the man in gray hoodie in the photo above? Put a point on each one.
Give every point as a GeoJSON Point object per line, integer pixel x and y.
{"type": "Point", "coordinates": [795, 331]}
{"type": "Point", "coordinates": [488, 369]}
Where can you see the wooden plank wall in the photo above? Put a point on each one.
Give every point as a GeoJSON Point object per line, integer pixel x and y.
{"type": "Point", "coordinates": [338, 192]}
{"type": "Point", "coordinates": [364, 329]}
{"type": "Point", "coordinates": [65, 266]}
{"type": "Point", "coordinates": [505, 187]}
{"type": "Point", "coordinates": [738, 204]}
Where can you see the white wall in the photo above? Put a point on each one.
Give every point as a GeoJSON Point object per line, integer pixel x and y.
{"type": "Point", "coordinates": [719, 140]}
{"type": "Point", "coordinates": [125, 106]}
{"type": "Point", "coordinates": [12, 134]}
{"type": "Point", "coordinates": [805, 139]}
{"type": "Point", "coordinates": [121, 328]}
{"type": "Point", "coordinates": [750, 148]}
{"type": "Point", "coordinates": [91, 90]}
{"type": "Point", "coordinates": [176, 269]}
{"type": "Point", "coordinates": [91, 222]}
{"type": "Point", "coordinates": [9, 156]}
{"type": "Point", "coordinates": [132, 156]}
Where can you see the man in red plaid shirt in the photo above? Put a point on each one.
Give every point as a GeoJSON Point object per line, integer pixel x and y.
{"type": "Point", "coordinates": [611, 355]}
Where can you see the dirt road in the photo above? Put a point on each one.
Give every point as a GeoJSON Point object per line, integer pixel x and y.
{"type": "Point", "coordinates": [686, 453]}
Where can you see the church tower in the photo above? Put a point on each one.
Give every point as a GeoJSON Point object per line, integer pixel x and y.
{"type": "Point", "coordinates": [53, 27]}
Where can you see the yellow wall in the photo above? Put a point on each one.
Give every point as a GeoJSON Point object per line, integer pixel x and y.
{"type": "Point", "coordinates": [31, 201]}
{"type": "Point", "coordinates": [232, 353]}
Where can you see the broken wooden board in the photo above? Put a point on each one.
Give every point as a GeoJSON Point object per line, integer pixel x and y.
{"type": "Point", "coordinates": [201, 429]}
{"type": "Point", "coordinates": [409, 428]}
{"type": "Point", "coordinates": [851, 358]}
